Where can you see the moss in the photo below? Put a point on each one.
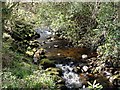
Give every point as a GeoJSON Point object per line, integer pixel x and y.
{"type": "Point", "coordinates": [53, 71]}
{"type": "Point", "coordinates": [47, 63]}
{"type": "Point", "coordinates": [17, 63]}
{"type": "Point", "coordinates": [44, 61]}
{"type": "Point", "coordinates": [29, 53]}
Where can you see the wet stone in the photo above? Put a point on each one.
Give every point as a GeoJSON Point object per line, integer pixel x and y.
{"type": "Point", "coordinates": [84, 56]}
{"type": "Point", "coordinates": [77, 69]}
{"type": "Point", "coordinates": [58, 54]}
{"type": "Point", "coordinates": [49, 37]}
{"type": "Point", "coordinates": [52, 39]}
{"type": "Point", "coordinates": [49, 46]}
{"type": "Point", "coordinates": [72, 80]}
{"type": "Point", "coordinates": [85, 68]}
{"type": "Point", "coordinates": [60, 50]}
{"type": "Point", "coordinates": [56, 46]}
{"type": "Point", "coordinates": [54, 71]}
{"type": "Point", "coordinates": [61, 81]}
{"type": "Point", "coordinates": [49, 40]}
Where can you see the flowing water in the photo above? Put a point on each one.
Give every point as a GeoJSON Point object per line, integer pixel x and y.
{"type": "Point", "coordinates": [64, 55]}
{"type": "Point", "coordinates": [72, 79]}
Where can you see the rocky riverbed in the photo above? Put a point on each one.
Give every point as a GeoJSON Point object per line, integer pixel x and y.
{"type": "Point", "coordinates": [77, 64]}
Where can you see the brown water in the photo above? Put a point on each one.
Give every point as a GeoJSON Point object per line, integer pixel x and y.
{"type": "Point", "coordinates": [61, 48]}
{"type": "Point", "coordinates": [72, 52]}
{"type": "Point", "coordinates": [64, 53]}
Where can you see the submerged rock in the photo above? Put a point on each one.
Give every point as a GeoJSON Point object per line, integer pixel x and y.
{"type": "Point", "coordinates": [61, 87]}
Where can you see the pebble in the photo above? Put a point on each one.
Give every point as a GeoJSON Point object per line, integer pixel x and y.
{"type": "Point", "coordinates": [5, 35]}
{"type": "Point", "coordinates": [56, 46]}
{"type": "Point", "coordinates": [49, 47]}
{"type": "Point", "coordinates": [58, 54]}
{"type": "Point", "coordinates": [52, 39]}
{"type": "Point", "coordinates": [84, 56]}
{"type": "Point", "coordinates": [107, 74]}
{"type": "Point", "coordinates": [49, 37]}
{"type": "Point", "coordinates": [85, 68]}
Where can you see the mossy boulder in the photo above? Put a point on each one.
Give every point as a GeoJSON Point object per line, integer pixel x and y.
{"type": "Point", "coordinates": [34, 43]}
{"type": "Point", "coordinates": [24, 35]}
{"type": "Point", "coordinates": [23, 31]}
{"type": "Point", "coordinates": [47, 63]}
{"type": "Point", "coordinates": [29, 53]}
{"type": "Point", "coordinates": [54, 71]}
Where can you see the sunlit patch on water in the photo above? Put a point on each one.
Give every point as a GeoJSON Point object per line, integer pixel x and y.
{"type": "Point", "coordinates": [72, 79]}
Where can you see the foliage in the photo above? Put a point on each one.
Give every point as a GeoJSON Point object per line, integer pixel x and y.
{"type": "Point", "coordinates": [23, 34]}
{"type": "Point", "coordinates": [9, 80]}
{"type": "Point", "coordinates": [95, 86]}
{"type": "Point", "coordinates": [16, 22]}
{"type": "Point", "coordinates": [7, 10]}
{"type": "Point", "coordinates": [107, 19]}
{"type": "Point", "coordinates": [7, 15]}
{"type": "Point", "coordinates": [40, 80]}
{"type": "Point", "coordinates": [36, 80]}
{"type": "Point", "coordinates": [44, 61]}
{"type": "Point", "coordinates": [20, 72]}
{"type": "Point", "coordinates": [72, 20]}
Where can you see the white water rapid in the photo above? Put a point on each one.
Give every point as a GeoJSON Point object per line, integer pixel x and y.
{"type": "Point", "coordinates": [72, 80]}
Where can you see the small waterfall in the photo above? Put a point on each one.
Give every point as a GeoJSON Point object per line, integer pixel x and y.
{"type": "Point", "coordinates": [72, 79]}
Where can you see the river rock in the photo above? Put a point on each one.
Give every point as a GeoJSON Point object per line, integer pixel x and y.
{"type": "Point", "coordinates": [43, 42]}
{"type": "Point", "coordinates": [61, 81]}
{"type": "Point", "coordinates": [39, 54]}
{"type": "Point", "coordinates": [34, 43]}
{"type": "Point", "coordinates": [6, 36]}
{"type": "Point", "coordinates": [61, 87]}
{"type": "Point", "coordinates": [56, 46]}
{"type": "Point", "coordinates": [52, 39]}
{"type": "Point", "coordinates": [107, 74]}
{"type": "Point", "coordinates": [54, 71]}
{"type": "Point", "coordinates": [49, 37]}
{"type": "Point", "coordinates": [49, 40]}
{"type": "Point", "coordinates": [49, 47]}
{"type": "Point", "coordinates": [77, 69]}
{"type": "Point", "coordinates": [29, 53]}
{"type": "Point", "coordinates": [84, 56]}
{"type": "Point", "coordinates": [58, 54]}
{"type": "Point", "coordinates": [85, 68]}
